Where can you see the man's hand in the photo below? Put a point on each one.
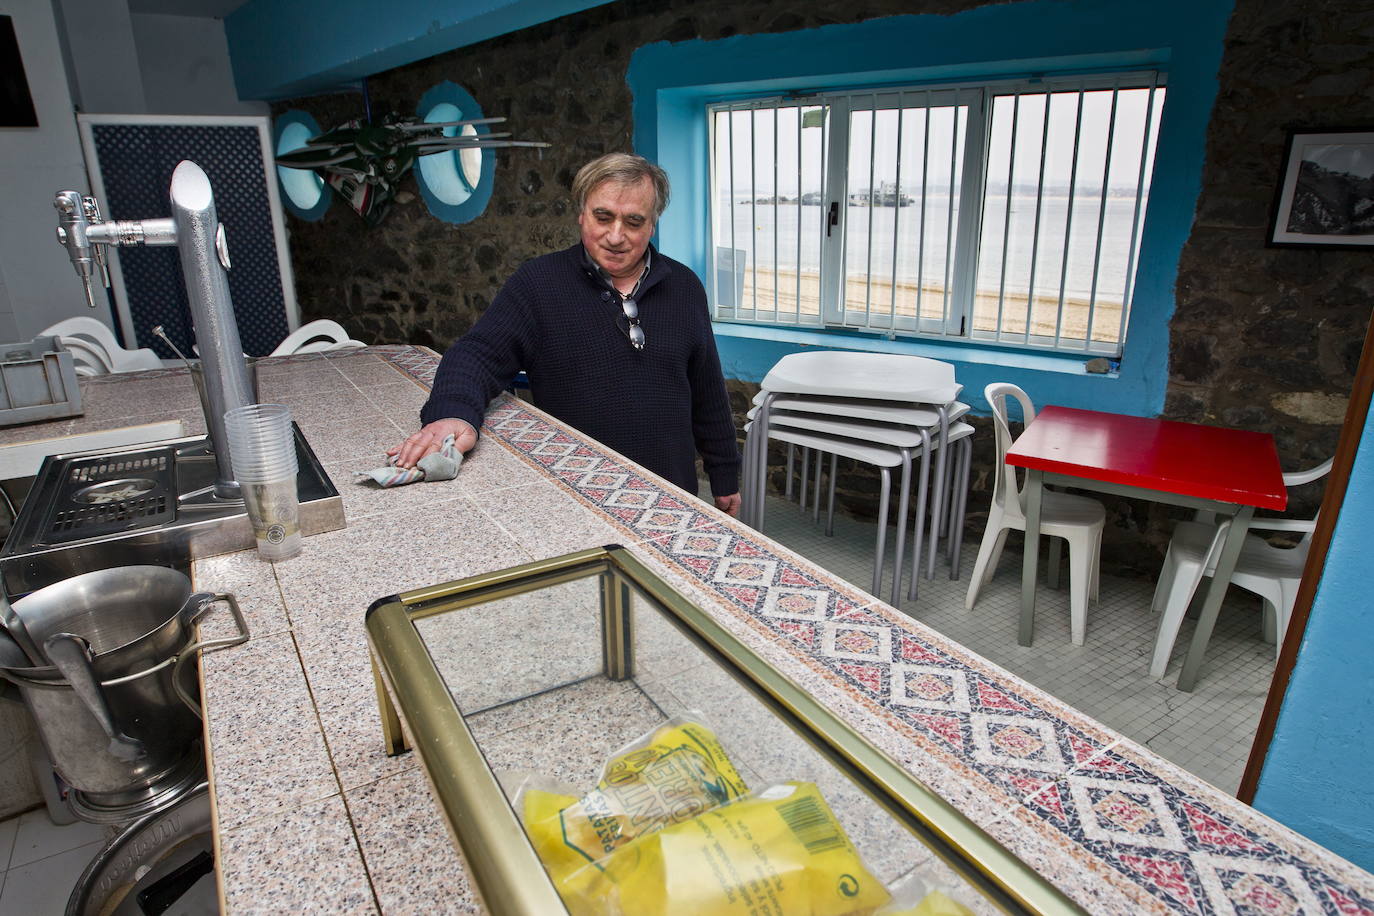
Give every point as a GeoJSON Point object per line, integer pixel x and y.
{"type": "Point", "coordinates": [430, 437]}
{"type": "Point", "coordinates": [729, 504]}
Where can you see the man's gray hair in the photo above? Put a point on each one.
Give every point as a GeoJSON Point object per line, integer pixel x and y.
{"type": "Point", "coordinates": [622, 168]}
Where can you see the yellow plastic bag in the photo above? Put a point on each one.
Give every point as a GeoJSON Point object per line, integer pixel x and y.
{"type": "Point", "coordinates": [670, 775]}
{"type": "Point", "coordinates": [778, 853]}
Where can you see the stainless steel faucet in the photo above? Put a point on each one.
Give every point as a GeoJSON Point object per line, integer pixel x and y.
{"type": "Point", "coordinates": [200, 240]}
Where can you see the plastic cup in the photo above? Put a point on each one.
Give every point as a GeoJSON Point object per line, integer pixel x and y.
{"type": "Point", "coordinates": [274, 513]}
{"type": "Point", "coordinates": [262, 449]}
{"type": "Point", "coordinates": [262, 446]}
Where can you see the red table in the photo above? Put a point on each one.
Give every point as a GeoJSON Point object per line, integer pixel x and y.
{"type": "Point", "coordinates": [1227, 471]}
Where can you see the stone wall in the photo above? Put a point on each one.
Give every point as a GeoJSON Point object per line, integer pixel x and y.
{"type": "Point", "coordinates": [1263, 338]}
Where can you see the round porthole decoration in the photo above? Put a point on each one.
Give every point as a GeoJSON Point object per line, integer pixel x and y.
{"type": "Point", "coordinates": [455, 184]}
{"type": "Point", "coordinates": [303, 190]}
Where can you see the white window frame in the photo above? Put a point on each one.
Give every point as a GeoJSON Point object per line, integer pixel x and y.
{"type": "Point", "coordinates": [956, 326]}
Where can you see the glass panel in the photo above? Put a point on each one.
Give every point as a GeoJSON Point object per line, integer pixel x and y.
{"type": "Point", "coordinates": [544, 691]}
{"type": "Point", "coordinates": [1061, 215]}
{"type": "Point", "coordinates": [905, 171]}
{"type": "Point", "coordinates": [766, 216]}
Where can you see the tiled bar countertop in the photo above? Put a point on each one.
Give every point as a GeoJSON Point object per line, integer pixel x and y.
{"type": "Point", "coordinates": [312, 817]}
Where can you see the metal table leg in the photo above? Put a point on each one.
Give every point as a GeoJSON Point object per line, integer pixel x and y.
{"type": "Point", "coordinates": [1035, 487]}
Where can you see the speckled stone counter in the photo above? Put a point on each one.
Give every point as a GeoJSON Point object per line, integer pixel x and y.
{"type": "Point", "coordinates": [312, 817]}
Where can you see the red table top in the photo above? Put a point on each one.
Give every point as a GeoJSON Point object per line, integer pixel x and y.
{"type": "Point", "coordinates": [1228, 465]}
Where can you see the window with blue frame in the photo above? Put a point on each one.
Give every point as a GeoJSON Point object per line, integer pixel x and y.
{"type": "Point", "coordinates": [1006, 212]}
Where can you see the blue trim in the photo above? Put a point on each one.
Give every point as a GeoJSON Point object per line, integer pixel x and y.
{"type": "Point", "coordinates": [1184, 37]}
{"type": "Point", "coordinates": [290, 181]}
{"type": "Point", "coordinates": [282, 49]}
{"type": "Point", "coordinates": [452, 94]}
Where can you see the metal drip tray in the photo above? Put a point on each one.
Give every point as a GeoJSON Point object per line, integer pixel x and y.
{"type": "Point", "coordinates": [104, 494]}
{"type": "Point", "coordinates": [142, 504]}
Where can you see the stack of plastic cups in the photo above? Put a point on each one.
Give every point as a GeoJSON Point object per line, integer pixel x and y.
{"type": "Point", "coordinates": [262, 450]}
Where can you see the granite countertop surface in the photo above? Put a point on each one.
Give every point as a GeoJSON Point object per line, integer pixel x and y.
{"type": "Point", "coordinates": [311, 816]}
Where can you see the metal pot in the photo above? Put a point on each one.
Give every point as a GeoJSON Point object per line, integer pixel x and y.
{"type": "Point", "coordinates": [124, 737]}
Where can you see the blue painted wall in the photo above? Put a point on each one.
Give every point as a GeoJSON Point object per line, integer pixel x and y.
{"type": "Point", "coordinates": [1184, 37]}
{"type": "Point", "coordinates": [1316, 778]}
{"type": "Point", "coordinates": [303, 47]}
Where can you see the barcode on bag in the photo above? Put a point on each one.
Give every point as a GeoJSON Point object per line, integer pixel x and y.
{"type": "Point", "coordinates": [810, 825]}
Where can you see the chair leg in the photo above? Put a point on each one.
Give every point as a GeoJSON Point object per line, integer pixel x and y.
{"type": "Point", "coordinates": [1080, 575]}
{"type": "Point", "coordinates": [1096, 568]}
{"type": "Point", "coordinates": [805, 472]}
{"type": "Point", "coordinates": [937, 499]}
{"type": "Point", "coordinates": [880, 549]}
{"type": "Point", "coordinates": [1167, 573]}
{"type": "Point", "coordinates": [1184, 584]}
{"type": "Point", "coordinates": [903, 506]}
{"type": "Point", "coordinates": [830, 507]}
{"type": "Point", "coordinates": [1056, 557]}
{"type": "Point", "coordinates": [918, 533]}
{"type": "Point", "coordinates": [791, 455]}
{"type": "Point", "coordinates": [815, 492]}
{"type": "Point", "coordinates": [1269, 622]}
{"type": "Point", "coordinates": [988, 551]}
{"type": "Point", "coordinates": [959, 509]}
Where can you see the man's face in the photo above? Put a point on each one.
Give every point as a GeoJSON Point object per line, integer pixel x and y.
{"type": "Point", "coordinates": [616, 223]}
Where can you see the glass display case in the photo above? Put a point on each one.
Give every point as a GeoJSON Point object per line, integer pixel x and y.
{"type": "Point", "coordinates": [538, 675]}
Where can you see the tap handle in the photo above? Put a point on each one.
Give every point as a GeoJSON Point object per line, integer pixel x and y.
{"type": "Point", "coordinates": [73, 228]}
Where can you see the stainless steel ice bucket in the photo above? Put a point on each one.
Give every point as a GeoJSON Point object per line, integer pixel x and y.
{"type": "Point", "coordinates": [139, 622]}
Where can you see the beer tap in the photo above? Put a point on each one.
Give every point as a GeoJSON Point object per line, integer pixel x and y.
{"type": "Point", "coordinates": [204, 252]}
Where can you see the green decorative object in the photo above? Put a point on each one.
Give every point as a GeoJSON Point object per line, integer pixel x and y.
{"type": "Point", "coordinates": [363, 163]}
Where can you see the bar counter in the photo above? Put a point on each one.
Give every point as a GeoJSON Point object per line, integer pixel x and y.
{"type": "Point", "coordinates": [311, 816]}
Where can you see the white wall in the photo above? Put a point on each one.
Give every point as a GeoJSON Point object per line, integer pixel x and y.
{"type": "Point", "coordinates": [119, 64]}
{"type": "Point", "coordinates": [37, 284]}
{"type": "Point", "coordinates": [184, 62]}
{"type": "Point", "coordinates": [102, 62]}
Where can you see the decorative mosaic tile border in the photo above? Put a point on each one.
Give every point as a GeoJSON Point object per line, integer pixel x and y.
{"type": "Point", "coordinates": [1123, 816]}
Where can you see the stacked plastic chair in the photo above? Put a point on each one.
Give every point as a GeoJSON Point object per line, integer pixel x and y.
{"type": "Point", "coordinates": [882, 409]}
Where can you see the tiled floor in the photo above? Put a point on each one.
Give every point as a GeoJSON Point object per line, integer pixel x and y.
{"type": "Point", "coordinates": [42, 862]}
{"type": "Point", "coordinates": [1207, 732]}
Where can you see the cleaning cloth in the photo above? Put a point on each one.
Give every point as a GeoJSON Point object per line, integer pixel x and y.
{"type": "Point", "coordinates": [440, 465]}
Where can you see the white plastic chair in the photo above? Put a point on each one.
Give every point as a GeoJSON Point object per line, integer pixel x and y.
{"type": "Point", "coordinates": [315, 337]}
{"type": "Point", "coordinates": [1273, 573]}
{"type": "Point", "coordinates": [1077, 519]}
{"type": "Point", "coordinates": [95, 350]}
{"type": "Point", "coordinates": [88, 358]}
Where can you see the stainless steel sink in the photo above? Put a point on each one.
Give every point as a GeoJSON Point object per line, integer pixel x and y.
{"type": "Point", "coordinates": [142, 504]}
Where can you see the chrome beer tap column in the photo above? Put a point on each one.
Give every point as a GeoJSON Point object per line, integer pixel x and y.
{"type": "Point", "coordinates": [196, 231]}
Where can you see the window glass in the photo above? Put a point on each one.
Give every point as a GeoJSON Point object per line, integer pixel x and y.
{"type": "Point", "coordinates": [1008, 213]}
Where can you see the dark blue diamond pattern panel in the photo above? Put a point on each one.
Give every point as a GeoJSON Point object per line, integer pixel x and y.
{"type": "Point", "coordinates": [136, 164]}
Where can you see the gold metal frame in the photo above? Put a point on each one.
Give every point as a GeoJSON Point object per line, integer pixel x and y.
{"type": "Point", "coordinates": [504, 868]}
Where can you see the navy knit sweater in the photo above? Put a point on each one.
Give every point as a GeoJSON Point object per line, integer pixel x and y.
{"type": "Point", "coordinates": [561, 324]}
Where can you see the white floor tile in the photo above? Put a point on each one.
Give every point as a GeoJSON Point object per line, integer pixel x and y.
{"type": "Point", "coordinates": [41, 888]}
{"type": "Point", "coordinates": [38, 838]}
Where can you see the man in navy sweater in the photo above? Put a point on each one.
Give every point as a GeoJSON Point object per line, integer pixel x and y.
{"type": "Point", "coordinates": [615, 337]}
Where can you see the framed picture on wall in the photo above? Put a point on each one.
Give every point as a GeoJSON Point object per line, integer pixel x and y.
{"type": "Point", "coordinates": [1325, 197]}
